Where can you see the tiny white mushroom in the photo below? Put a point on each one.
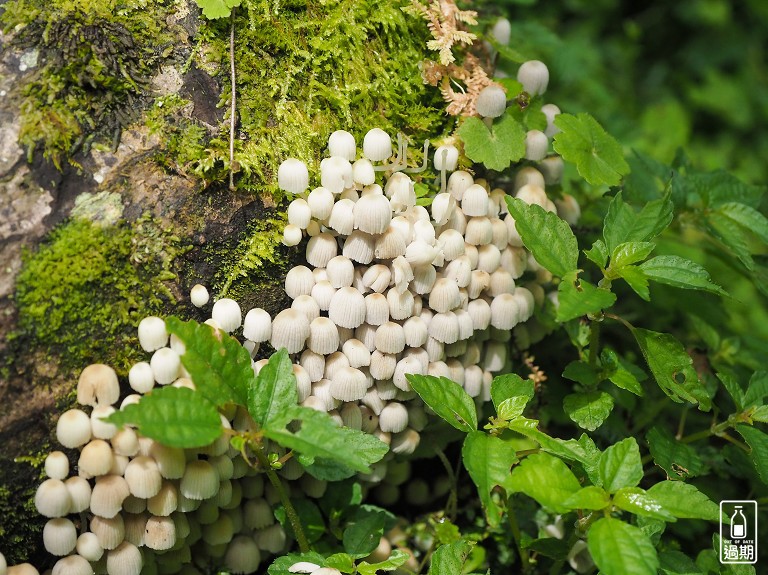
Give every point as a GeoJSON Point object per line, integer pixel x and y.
{"type": "Point", "coordinates": [347, 308]}
{"type": "Point", "coordinates": [393, 418]}
{"type": "Point", "coordinates": [323, 336]}
{"type": "Point", "coordinates": [491, 101]}
{"type": "Point", "coordinates": [292, 235]}
{"type": "Point", "coordinates": [98, 384]}
{"type": "Point", "coordinates": [227, 313]}
{"type": "Point", "coordinates": [52, 498]}
{"type": "Point", "coordinates": [377, 145]}
{"type": "Point", "coordinates": [290, 330]}
{"type": "Point", "coordinates": [72, 565]}
{"type": "Point", "coordinates": [320, 249]}
{"type": "Point", "coordinates": [360, 247]}
{"type": "Point", "coordinates": [198, 295]}
{"type": "Point", "coordinates": [165, 364]}
{"type": "Point", "coordinates": [293, 176]}
{"type": "Point", "coordinates": [349, 384]}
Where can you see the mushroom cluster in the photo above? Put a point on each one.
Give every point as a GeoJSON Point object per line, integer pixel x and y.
{"type": "Point", "coordinates": [140, 506]}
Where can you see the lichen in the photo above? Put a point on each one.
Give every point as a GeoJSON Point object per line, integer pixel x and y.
{"type": "Point", "coordinates": [96, 58]}
{"type": "Point", "coordinates": [81, 294]}
{"type": "Point", "coordinates": [305, 69]}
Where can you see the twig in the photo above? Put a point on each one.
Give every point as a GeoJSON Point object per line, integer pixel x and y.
{"type": "Point", "coordinates": [234, 100]}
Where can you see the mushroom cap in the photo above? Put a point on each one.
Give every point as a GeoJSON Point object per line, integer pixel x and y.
{"type": "Point", "coordinates": [363, 172]}
{"type": "Point", "coordinates": [475, 201]}
{"type": "Point", "coordinates": [444, 327]}
{"type": "Point", "coordinates": [342, 143]}
{"type": "Point", "coordinates": [110, 532]}
{"type": "Point", "coordinates": [390, 338]}
{"type": "Point", "coordinates": [160, 533]}
{"type": "Point", "coordinates": [377, 278]}
{"type": "Point", "coordinates": [79, 493]}
{"type": "Point", "coordinates": [446, 158]}
{"type": "Point", "coordinates": [165, 364]}
{"type": "Point", "coordinates": [99, 428]}
{"type": "Point", "coordinates": [242, 556]}
{"type": "Point", "coordinates": [314, 364]}
{"type": "Point", "coordinates": [405, 442]}
{"type": "Point", "coordinates": [200, 480]}
{"type": "Point", "coordinates": [393, 418]}
{"type": "Point", "coordinates": [88, 546]}
{"type": "Point", "coordinates": [534, 76]}
{"type": "Point", "coordinates": [293, 176]}
{"type": "Point", "coordinates": [377, 145]}
{"type": "Point", "coordinates": [57, 465]}
{"type": "Point", "coordinates": [108, 495]}
{"type": "Point", "coordinates": [227, 313]}
{"type": "Point", "coordinates": [320, 249]}
{"type": "Point", "coordinates": [444, 295]}
{"type": "Point", "coordinates": [125, 559]}
{"type": "Point", "coordinates": [96, 458]}
{"type": "Point", "coordinates": [491, 101]}
{"type": "Point", "coordinates": [165, 501]}
{"type": "Point", "coordinates": [505, 311]}
{"type": "Point", "coordinates": [199, 295]}
{"type": "Point", "coordinates": [290, 329]}
{"type": "Point", "coordinates": [72, 565]}
{"type": "Point", "coordinates": [400, 304]}
{"type": "Point", "coordinates": [59, 536]}
{"type": "Point", "coordinates": [359, 247]}
{"type": "Point", "coordinates": [372, 213]}
{"type": "Point", "coordinates": [335, 174]}
{"type": "Point", "coordinates": [357, 353]}
{"type": "Point", "coordinates": [536, 145]}
{"type": "Point", "coordinates": [349, 384]}
{"type": "Point", "coordinates": [342, 218]}
{"type": "Point", "coordinates": [292, 235]}
{"type": "Point", "coordinates": [140, 377]}
{"type": "Point", "coordinates": [306, 305]}
{"type": "Point", "coordinates": [347, 308]}
{"type": "Point", "coordinates": [323, 336]}
{"type": "Point", "coordinates": [390, 244]}
{"type": "Point", "coordinates": [143, 477]}
{"type": "Point", "coordinates": [376, 309]}
{"type": "Point", "coordinates": [382, 365]}
{"type": "Point", "coordinates": [323, 293]}
{"type": "Point", "coordinates": [341, 271]}
{"type": "Point", "coordinates": [320, 202]}
{"type": "Point", "coordinates": [98, 383]}
{"type": "Point", "coordinates": [299, 213]}
{"type": "Point", "coordinates": [152, 333]}
{"type": "Point", "coordinates": [257, 326]}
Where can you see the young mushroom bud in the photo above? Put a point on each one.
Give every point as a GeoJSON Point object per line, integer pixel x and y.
{"type": "Point", "coordinates": [292, 235]}
{"type": "Point", "coordinates": [534, 76]}
{"type": "Point", "coordinates": [293, 176]}
{"type": "Point", "coordinates": [377, 145]}
{"type": "Point", "coordinates": [536, 145]}
{"type": "Point", "coordinates": [198, 295]}
{"type": "Point", "coordinates": [491, 101]}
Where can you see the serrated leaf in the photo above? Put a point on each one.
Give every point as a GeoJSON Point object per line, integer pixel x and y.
{"type": "Point", "coordinates": [680, 272]}
{"type": "Point", "coordinates": [365, 529]}
{"type": "Point", "coordinates": [679, 460]}
{"type": "Point", "coordinates": [219, 366]}
{"type": "Point", "coordinates": [621, 549]}
{"type": "Point", "coordinates": [684, 501]}
{"type": "Point", "coordinates": [598, 253]}
{"type": "Point", "coordinates": [173, 416]}
{"type": "Point", "coordinates": [676, 563]}
{"type": "Point", "coordinates": [636, 279]}
{"type": "Point", "coordinates": [544, 478]}
{"type": "Point", "coordinates": [510, 385]}
{"type": "Point", "coordinates": [273, 392]}
{"type": "Point", "coordinates": [447, 399]}
{"type": "Point", "coordinates": [618, 374]}
{"type": "Point", "coordinates": [620, 465]}
{"type": "Point", "coordinates": [624, 224]}
{"type": "Point", "coordinates": [343, 562]}
{"type": "Point", "coordinates": [214, 9]}
{"type": "Point", "coordinates": [757, 389]}
{"type": "Point", "coordinates": [584, 452]}
{"type": "Point", "coordinates": [629, 253]}
{"type": "Point", "coordinates": [733, 236]}
{"type": "Point", "coordinates": [588, 409]}
{"type": "Point", "coordinates": [318, 436]}
{"type": "Point", "coordinates": [637, 501]}
{"type": "Point", "coordinates": [496, 148]}
{"type": "Point", "coordinates": [450, 558]}
{"type": "Point", "coordinates": [548, 237]}
{"type": "Point", "coordinates": [720, 187]}
{"type": "Point", "coordinates": [747, 217]}
{"type": "Point", "coordinates": [581, 372]}
{"type": "Point", "coordinates": [398, 558]}
{"type": "Point", "coordinates": [583, 141]}
{"type": "Point", "coordinates": [488, 460]}
{"type": "Point", "coordinates": [758, 443]}
{"type": "Point", "coordinates": [577, 297]}
{"type": "Point", "coordinates": [733, 388]}
{"type": "Point", "coordinates": [589, 497]}
{"type": "Point", "coordinates": [672, 367]}
{"type": "Point", "coordinates": [512, 407]}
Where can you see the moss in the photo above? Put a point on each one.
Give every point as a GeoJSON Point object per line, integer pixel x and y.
{"type": "Point", "coordinates": [307, 68]}
{"type": "Point", "coordinates": [21, 529]}
{"type": "Point", "coordinates": [183, 140]}
{"type": "Point", "coordinates": [96, 58]}
{"type": "Point", "coordinates": [82, 293]}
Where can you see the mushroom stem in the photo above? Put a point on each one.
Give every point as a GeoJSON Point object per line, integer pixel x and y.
{"type": "Point", "coordinates": [424, 162]}
{"type": "Point", "coordinates": [443, 182]}
{"type": "Point", "coordinates": [290, 510]}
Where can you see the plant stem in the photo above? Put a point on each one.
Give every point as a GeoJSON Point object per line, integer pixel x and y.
{"type": "Point", "coordinates": [515, 528]}
{"type": "Point", "coordinates": [290, 510]}
{"type": "Point", "coordinates": [453, 499]}
{"type": "Point", "coordinates": [594, 339]}
{"type": "Point", "coordinates": [233, 98]}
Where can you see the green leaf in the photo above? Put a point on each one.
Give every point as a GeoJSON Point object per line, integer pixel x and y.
{"type": "Point", "coordinates": [318, 436]}
{"type": "Point", "coordinates": [621, 549]}
{"type": "Point", "coordinates": [343, 562]}
{"type": "Point", "coordinates": [598, 253]}
{"type": "Point", "coordinates": [512, 407]}
{"type": "Point", "coordinates": [581, 372]}
{"type": "Point", "coordinates": [583, 450]}
{"type": "Point", "coordinates": [450, 558]}
{"type": "Point", "coordinates": [584, 142]}
{"type": "Point", "coordinates": [544, 478]}
{"type": "Point", "coordinates": [675, 563]}
{"type": "Point", "coordinates": [589, 497]}
{"type": "Point", "coordinates": [618, 374]}
{"type": "Point", "coordinates": [746, 216]}
{"type": "Point", "coordinates": [219, 366]}
{"type": "Point", "coordinates": [496, 148]}
{"type": "Point", "coordinates": [579, 297]}
{"type": "Point", "coordinates": [365, 529]}
{"type": "Point", "coordinates": [488, 460]}
{"type": "Point", "coordinates": [757, 390]}
{"type": "Point", "coordinates": [273, 392]}
{"type": "Point", "coordinates": [623, 224]}
{"type": "Point", "coordinates": [758, 443]}
{"type": "Point", "coordinates": [684, 501]}
{"type": "Point", "coordinates": [629, 253]}
{"type": "Point", "coordinates": [733, 387]}
{"type": "Point", "coordinates": [720, 187]}
{"type": "Point", "coordinates": [213, 9]}
{"type": "Point", "coordinates": [588, 409]}
{"type": "Point", "coordinates": [548, 237]}
{"type": "Point", "coordinates": [678, 460]}
{"type": "Point", "coordinates": [733, 236]}
{"type": "Point", "coordinates": [635, 278]}
{"type": "Point", "coordinates": [637, 501]}
{"type": "Point", "coordinates": [680, 272]}
{"type": "Point", "coordinates": [672, 367]}
{"type": "Point", "coordinates": [620, 465]}
{"type": "Point", "coordinates": [447, 399]}
{"type": "Point", "coordinates": [281, 565]}
{"type": "Point", "coordinates": [174, 416]}
{"type": "Point", "coordinates": [510, 385]}
{"type": "Point", "coordinates": [398, 558]}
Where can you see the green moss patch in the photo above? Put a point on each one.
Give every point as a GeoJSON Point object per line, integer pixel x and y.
{"type": "Point", "coordinates": [82, 294]}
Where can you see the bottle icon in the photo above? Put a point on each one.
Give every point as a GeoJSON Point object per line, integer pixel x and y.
{"type": "Point", "coordinates": [738, 524]}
